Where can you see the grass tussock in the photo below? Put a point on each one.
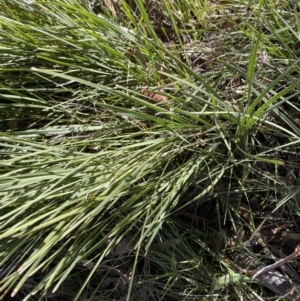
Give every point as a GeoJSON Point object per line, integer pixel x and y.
{"type": "Point", "coordinates": [142, 142]}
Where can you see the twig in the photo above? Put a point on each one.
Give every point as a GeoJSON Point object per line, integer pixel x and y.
{"type": "Point", "coordinates": [278, 263]}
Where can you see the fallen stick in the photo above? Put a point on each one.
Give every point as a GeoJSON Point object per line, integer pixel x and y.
{"type": "Point", "coordinates": [278, 263]}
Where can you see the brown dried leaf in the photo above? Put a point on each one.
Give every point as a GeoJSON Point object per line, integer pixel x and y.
{"type": "Point", "coordinates": [110, 6]}
{"type": "Point", "coordinates": [156, 97]}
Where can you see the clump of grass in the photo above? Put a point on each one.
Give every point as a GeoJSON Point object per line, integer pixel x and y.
{"type": "Point", "coordinates": [130, 148]}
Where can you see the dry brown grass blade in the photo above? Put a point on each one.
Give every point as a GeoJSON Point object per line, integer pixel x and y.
{"type": "Point", "coordinates": [111, 7]}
